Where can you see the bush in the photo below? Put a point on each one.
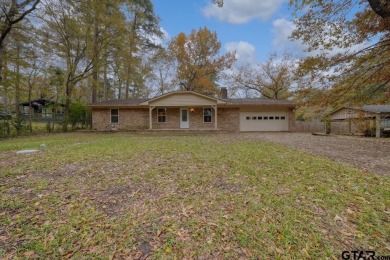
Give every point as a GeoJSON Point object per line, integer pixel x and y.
{"type": "Point", "coordinates": [79, 115]}
{"type": "Point", "coordinates": [19, 124]}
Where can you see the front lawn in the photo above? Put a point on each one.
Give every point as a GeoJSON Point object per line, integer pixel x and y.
{"type": "Point", "coordinates": [170, 195]}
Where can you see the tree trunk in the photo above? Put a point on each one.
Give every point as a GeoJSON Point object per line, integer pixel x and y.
{"type": "Point", "coordinates": [29, 108]}
{"type": "Point", "coordinates": [119, 89]}
{"type": "Point", "coordinates": [3, 64]}
{"type": "Point", "coordinates": [127, 84]}
{"type": "Point", "coordinates": [2, 54]}
{"type": "Point", "coordinates": [95, 72]}
{"type": "Point", "coordinates": [17, 83]}
{"type": "Point", "coordinates": [105, 83]}
{"type": "Point", "coordinates": [69, 90]}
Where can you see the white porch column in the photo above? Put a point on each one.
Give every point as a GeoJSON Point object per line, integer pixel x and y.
{"type": "Point", "coordinates": [151, 117]}
{"type": "Point", "coordinates": [378, 126]}
{"type": "Point", "coordinates": [215, 117]}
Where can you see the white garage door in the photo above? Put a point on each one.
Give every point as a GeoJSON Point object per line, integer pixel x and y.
{"type": "Point", "coordinates": [264, 121]}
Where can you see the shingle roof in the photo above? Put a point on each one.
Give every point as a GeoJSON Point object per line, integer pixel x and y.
{"type": "Point", "coordinates": [259, 101]}
{"type": "Point", "coordinates": [119, 102]}
{"type": "Point", "coordinates": [231, 101]}
{"type": "Point", "coordinates": [377, 108]}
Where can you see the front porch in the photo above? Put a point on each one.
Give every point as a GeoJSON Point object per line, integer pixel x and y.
{"type": "Point", "coordinates": [183, 117]}
{"type": "Point", "coordinates": [183, 110]}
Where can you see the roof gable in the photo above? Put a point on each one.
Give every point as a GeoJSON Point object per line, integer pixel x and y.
{"type": "Point", "coordinates": [183, 98]}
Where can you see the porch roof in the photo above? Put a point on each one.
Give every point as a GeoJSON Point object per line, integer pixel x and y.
{"type": "Point", "coordinates": [187, 98]}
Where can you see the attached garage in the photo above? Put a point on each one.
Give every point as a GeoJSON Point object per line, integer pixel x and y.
{"type": "Point", "coordinates": [264, 115]}
{"type": "Point", "coordinates": [264, 121]}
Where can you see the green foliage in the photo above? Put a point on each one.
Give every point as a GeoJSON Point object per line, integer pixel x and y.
{"type": "Point", "coordinates": [19, 124]}
{"type": "Point", "coordinates": [79, 115]}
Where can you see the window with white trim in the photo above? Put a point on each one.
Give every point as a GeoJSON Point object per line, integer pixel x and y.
{"type": "Point", "coordinates": [161, 115]}
{"type": "Point", "coordinates": [207, 115]}
{"type": "Point", "coordinates": [114, 116]}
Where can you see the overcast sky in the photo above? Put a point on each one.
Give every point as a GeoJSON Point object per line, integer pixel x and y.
{"type": "Point", "coordinates": [254, 28]}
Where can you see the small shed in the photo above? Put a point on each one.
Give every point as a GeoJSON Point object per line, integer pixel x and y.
{"type": "Point", "coordinates": [378, 115]}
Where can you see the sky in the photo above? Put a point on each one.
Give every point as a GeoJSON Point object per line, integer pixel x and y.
{"type": "Point", "coordinates": [253, 28]}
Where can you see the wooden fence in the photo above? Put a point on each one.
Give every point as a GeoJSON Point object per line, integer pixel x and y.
{"type": "Point", "coordinates": [309, 127]}
{"type": "Point", "coordinates": [353, 127]}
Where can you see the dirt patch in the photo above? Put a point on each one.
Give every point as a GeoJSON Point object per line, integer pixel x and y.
{"type": "Point", "coordinates": [229, 187]}
{"type": "Point", "coordinates": [118, 200]}
{"type": "Point", "coordinates": [368, 154]}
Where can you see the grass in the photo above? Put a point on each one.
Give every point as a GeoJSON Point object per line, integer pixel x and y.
{"type": "Point", "coordinates": [179, 196]}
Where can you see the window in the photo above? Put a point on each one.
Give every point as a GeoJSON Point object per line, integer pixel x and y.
{"type": "Point", "coordinates": [283, 118]}
{"type": "Point", "coordinates": [266, 118]}
{"type": "Point", "coordinates": [114, 116]}
{"type": "Point", "coordinates": [248, 118]}
{"type": "Point", "coordinates": [277, 118]}
{"type": "Point", "coordinates": [161, 115]}
{"type": "Point", "coordinates": [271, 118]}
{"type": "Point", "coordinates": [207, 115]}
{"type": "Point", "coordinates": [254, 117]}
{"type": "Point", "coordinates": [259, 118]}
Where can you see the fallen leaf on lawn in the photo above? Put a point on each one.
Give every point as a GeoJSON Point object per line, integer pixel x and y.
{"type": "Point", "coordinates": [337, 217]}
{"type": "Point", "coordinates": [280, 251]}
{"type": "Point", "coordinates": [3, 238]}
{"type": "Point", "coordinates": [306, 253]}
{"type": "Point", "coordinates": [29, 253]}
{"type": "Point", "coordinates": [247, 252]}
{"type": "Point", "coordinates": [168, 250]}
{"type": "Point", "coordinates": [348, 234]}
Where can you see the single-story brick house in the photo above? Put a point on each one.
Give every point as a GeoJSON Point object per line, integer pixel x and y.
{"type": "Point", "coordinates": [181, 110]}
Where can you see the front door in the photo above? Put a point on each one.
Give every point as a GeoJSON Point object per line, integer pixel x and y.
{"type": "Point", "coordinates": [184, 122]}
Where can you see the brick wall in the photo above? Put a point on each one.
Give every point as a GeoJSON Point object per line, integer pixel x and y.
{"type": "Point", "coordinates": [229, 119]}
{"type": "Point", "coordinates": [172, 119]}
{"type": "Point", "coordinates": [129, 119]}
{"type": "Point", "coordinates": [137, 119]}
{"type": "Point", "coordinates": [101, 119]}
{"type": "Point", "coordinates": [196, 120]}
{"type": "Point", "coordinates": [133, 119]}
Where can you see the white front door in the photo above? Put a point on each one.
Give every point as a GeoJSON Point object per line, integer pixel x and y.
{"type": "Point", "coordinates": [184, 120]}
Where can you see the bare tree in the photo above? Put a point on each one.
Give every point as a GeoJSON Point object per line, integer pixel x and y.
{"type": "Point", "coordinates": [271, 79]}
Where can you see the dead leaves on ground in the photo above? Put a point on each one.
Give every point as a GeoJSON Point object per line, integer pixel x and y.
{"type": "Point", "coordinates": [185, 198]}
